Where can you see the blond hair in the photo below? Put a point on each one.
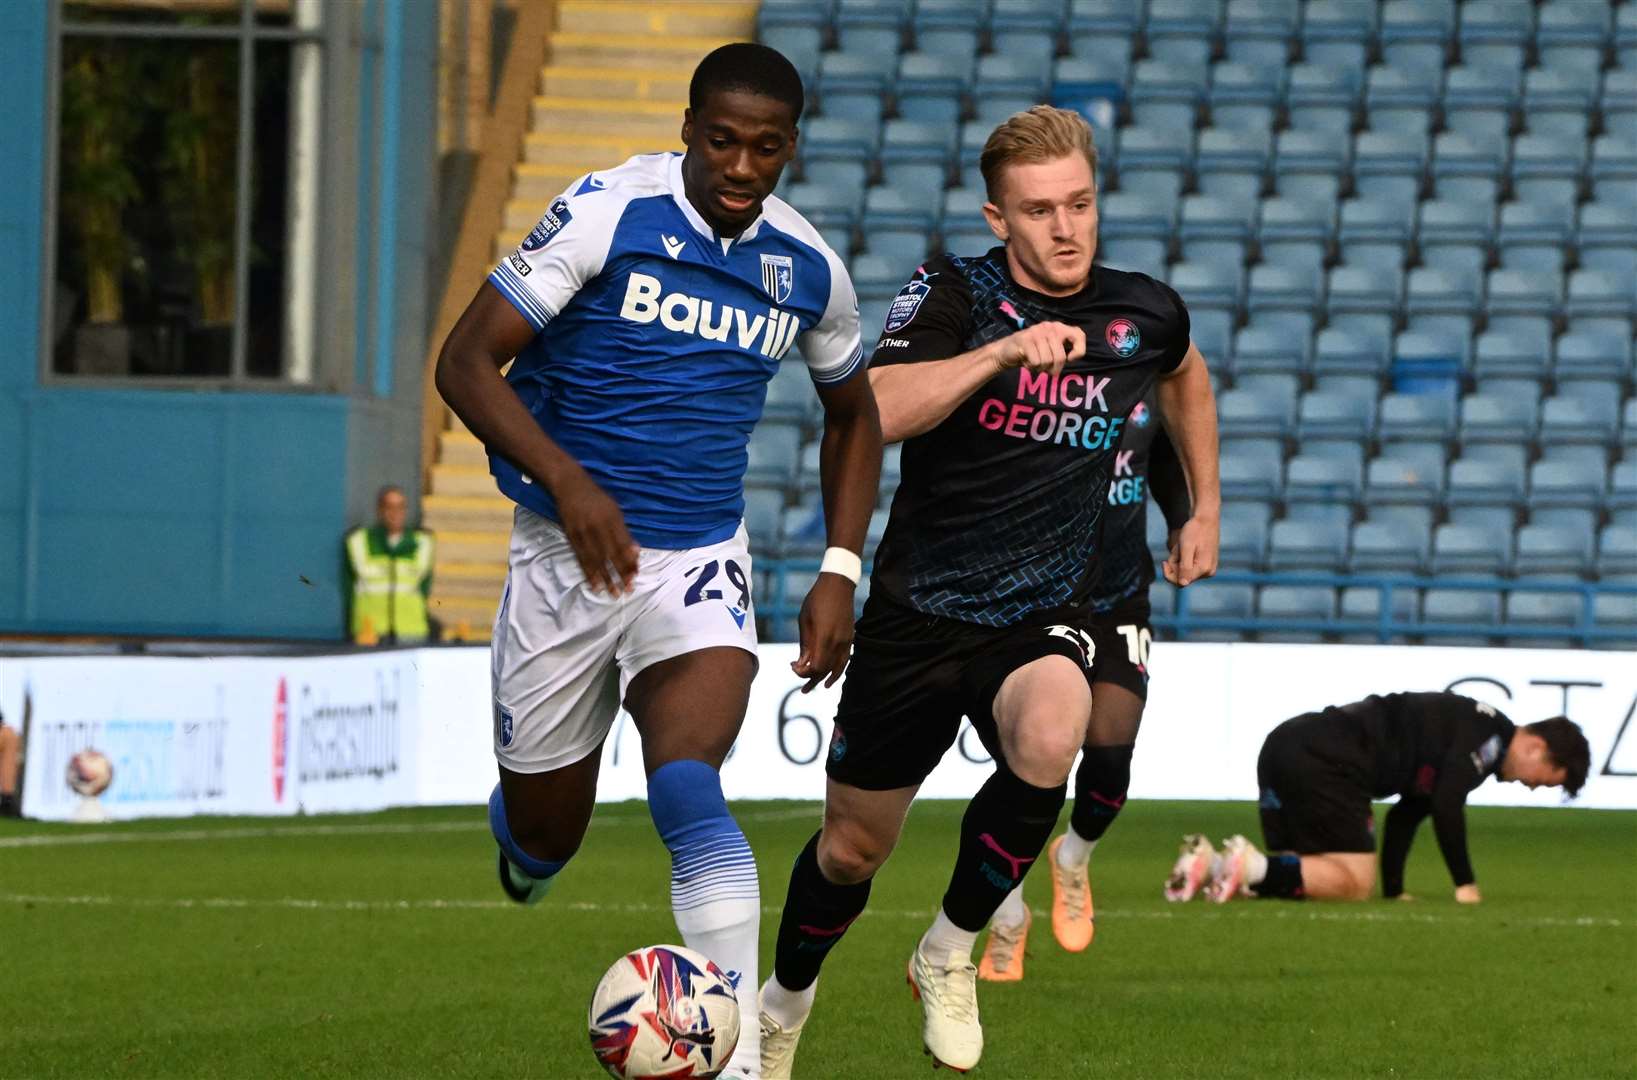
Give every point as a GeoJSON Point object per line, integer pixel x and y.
{"type": "Point", "coordinates": [1039, 133]}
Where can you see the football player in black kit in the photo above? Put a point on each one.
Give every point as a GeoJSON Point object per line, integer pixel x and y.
{"type": "Point", "coordinates": [1318, 772]}
{"type": "Point", "coordinates": [1146, 463]}
{"type": "Point", "coordinates": [1009, 377]}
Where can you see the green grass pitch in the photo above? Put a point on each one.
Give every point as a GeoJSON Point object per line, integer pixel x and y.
{"type": "Point", "coordinates": [380, 946]}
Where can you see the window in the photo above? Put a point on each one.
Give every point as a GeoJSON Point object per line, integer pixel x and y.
{"type": "Point", "coordinates": [186, 190]}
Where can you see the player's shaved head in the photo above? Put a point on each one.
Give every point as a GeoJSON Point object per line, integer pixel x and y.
{"type": "Point", "coordinates": [749, 68]}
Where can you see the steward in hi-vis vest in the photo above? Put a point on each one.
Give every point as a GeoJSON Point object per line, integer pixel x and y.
{"type": "Point", "coordinates": [391, 570]}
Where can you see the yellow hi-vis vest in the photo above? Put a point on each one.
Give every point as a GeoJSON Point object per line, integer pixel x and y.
{"type": "Point", "coordinates": [390, 583]}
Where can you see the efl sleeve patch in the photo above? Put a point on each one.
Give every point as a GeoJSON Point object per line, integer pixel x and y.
{"type": "Point", "coordinates": [901, 312]}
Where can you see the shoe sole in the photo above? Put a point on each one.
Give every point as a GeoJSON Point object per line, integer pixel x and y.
{"type": "Point", "coordinates": [915, 992]}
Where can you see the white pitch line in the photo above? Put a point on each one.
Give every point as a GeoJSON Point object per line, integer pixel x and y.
{"type": "Point", "coordinates": [1243, 912]}
{"type": "Point", "coordinates": [67, 839]}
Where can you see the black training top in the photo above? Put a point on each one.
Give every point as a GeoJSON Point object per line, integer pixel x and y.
{"type": "Point", "coordinates": [998, 511]}
{"type": "Point", "coordinates": [1431, 750]}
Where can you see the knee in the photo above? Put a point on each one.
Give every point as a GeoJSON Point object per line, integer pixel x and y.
{"type": "Point", "coordinates": [848, 856]}
{"type": "Point", "coordinates": [1044, 741]}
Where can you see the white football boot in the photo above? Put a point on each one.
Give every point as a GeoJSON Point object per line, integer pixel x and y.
{"type": "Point", "coordinates": [1191, 870]}
{"type": "Point", "coordinates": [948, 993]}
{"type": "Point", "coordinates": [778, 1048]}
{"type": "Point", "coordinates": [1228, 880]}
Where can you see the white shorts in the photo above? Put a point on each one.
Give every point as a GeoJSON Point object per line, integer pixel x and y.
{"type": "Point", "coordinates": [562, 656]}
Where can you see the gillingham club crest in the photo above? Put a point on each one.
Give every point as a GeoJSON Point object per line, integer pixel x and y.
{"type": "Point", "coordinates": [778, 276]}
{"type": "Point", "coordinates": [1122, 337]}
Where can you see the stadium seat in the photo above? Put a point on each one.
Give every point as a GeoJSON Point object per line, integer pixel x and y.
{"type": "Point", "coordinates": [895, 208]}
{"type": "Point", "coordinates": [1249, 413]}
{"type": "Point", "coordinates": [1318, 478]}
{"type": "Point", "coordinates": [1520, 349]}
{"type": "Point", "coordinates": [1251, 478]}
{"type": "Point", "coordinates": [789, 393]}
{"type": "Point", "coordinates": [1547, 549]}
{"type": "Point", "coordinates": [1607, 238]}
{"type": "Point", "coordinates": [1617, 550]}
{"type": "Point", "coordinates": [1361, 608]}
{"type": "Point", "coordinates": [1389, 480]}
{"type": "Point", "coordinates": [1350, 350]}
{"type": "Point", "coordinates": [1267, 350]}
{"type": "Point", "coordinates": [1467, 165]}
{"type": "Point", "coordinates": [1276, 287]}
{"type": "Point", "coordinates": [1216, 600]}
{"type": "Point", "coordinates": [773, 453]}
{"type": "Point", "coordinates": [1352, 289]}
{"type": "Point", "coordinates": [1557, 100]}
{"type": "Point", "coordinates": [1599, 293]}
{"type": "Point", "coordinates": [1387, 547]}
{"type": "Point", "coordinates": [1307, 545]}
{"type": "Point", "coordinates": [1546, 610]}
{"type": "Point", "coordinates": [1461, 608]}
{"type": "Point", "coordinates": [1244, 534]}
{"type": "Point", "coordinates": [1334, 416]}
{"type": "Point", "coordinates": [1103, 19]}
{"type": "Point", "coordinates": [1571, 23]}
{"type": "Point", "coordinates": [1564, 484]}
{"type": "Point", "coordinates": [1295, 604]}
{"type": "Point", "coordinates": [1593, 356]}
{"type": "Point", "coordinates": [1260, 31]}
{"type": "Point", "coordinates": [1475, 482]}
{"type": "Point", "coordinates": [1520, 292]}
{"type": "Point", "coordinates": [1207, 285]}
{"type": "Point", "coordinates": [1628, 426]}
{"type": "Point", "coordinates": [1390, 164]}
{"type": "Point", "coordinates": [931, 86]}
{"type": "Point", "coordinates": [1243, 96]}
{"type": "Point", "coordinates": [871, 26]}
{"type": "Point", "coordinates": [763, 507]}
{"type": "Point", "coordinates": [1618, 103]}
{"type": "Point", "coordinates": [948, 28]}
{"type": "Point", "coordinates": [1566, 419]}
{"type": "Point", "coordinates": [1467, 549]}
{"type": "Point", "coordinates": [1416, 417]}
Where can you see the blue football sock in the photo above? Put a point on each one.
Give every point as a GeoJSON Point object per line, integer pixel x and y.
{"type": "Point", "coordinates": [538, 869]}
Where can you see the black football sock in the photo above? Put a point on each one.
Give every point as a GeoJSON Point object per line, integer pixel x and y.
{"type": "Point", "coordinates": [1007, 823]}
{"type": "Point", "coordinates": [1100, 785]}
{"type": "Point", "coordinates": [8, 805]}
{"type": "Point", "coordinates": [1284, 878]}
{"type": "Point", "coordinates": [817, 913]}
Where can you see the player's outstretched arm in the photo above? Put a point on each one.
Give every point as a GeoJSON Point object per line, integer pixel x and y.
{"type": "Point", "coordinates": [850, 473]}
{"type": "Point", "coordinates": [1449, 825]}
{"type": "Point", "coordinates": [1188, 408]}
{"type": "Point", "coordinates": [915, 398]}
{"type": "Point", "coordinates": [489, 334]}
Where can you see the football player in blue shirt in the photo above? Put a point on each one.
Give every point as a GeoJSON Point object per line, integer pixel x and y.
{"type": "Point", "coordinates": [643, 317]}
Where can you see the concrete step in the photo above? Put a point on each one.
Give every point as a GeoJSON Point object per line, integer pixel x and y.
{"type": "Point", "coordinates": [544, 182]}
{"type": "Point", "coordinates": [645, 51]}
{"type": "Point", "coordinates": [473, 547]}
{"type": "Point", "coordinates": [584, 151]}
{"type": "Point", "coordinates": [462, 480]}
{"type": "Point", "coordinates": [618, 84]}
{"type": "Point", "coordinates": [730, 19]}
{"type": "Point", "coordinates": [462, 448]}
{"type": "Point", "coordinates": [467, 513]}
{"type": "Point", "coordinates": [474, 581]}
{"type": "Point", "coordinates": [649, 120]}
{"type": "Point", "coordinates": [470, 614]}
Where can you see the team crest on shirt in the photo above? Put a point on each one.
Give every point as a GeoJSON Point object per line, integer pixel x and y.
{"type": "Point", "coordinates": [503, 725]}
{"type": "Point", "coordinates": [1122, 337]}
{"type": "Point", "coordinates": [778, 276]}
{"type": "Point", "coordinates": [551, 223]}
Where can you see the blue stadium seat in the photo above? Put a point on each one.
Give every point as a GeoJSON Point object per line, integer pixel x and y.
{"type": "Point", "coordinates": [1476, 482]}
{"type": "Point", "coordinates": [1545, 549]}
{"type": "Point", "coordinates": [1246, 413]}
{"type": "Point", "coordinates": [763, 508]}
{"type": "Point", "coordinates": [1616, 550]}
{"type": "Point", "coordinates": [1613, 168]}
{"type": "Point", "coordinates": [1628, 426]}
{"type": "Point", "coordinates": [1244, 534]}
{"type": "Point", "coordinates": [1401, 97]}
{"type": "Point", "coordinates": [1184, 18]}
{"type": "Point", "coordinates": [895, 208]}
{"type": "Point", "coordinates": [1232, 164]}
{"type": "Point", "coordinates": [1547, 167]}
{"type": "Point", "coordinates": [1617, 611]}
{"type": "Point", "coordinates": [773, 452]}
{"type": "Point", "coordinates": [1243, 96]}
{"type": "Point", "coordinates": [1607, 238]}
{"type": "Point", "coordinates": [1524, 292]}
{"type": "Point", "coordinates": [1350, 350]}
{"type": "Point", "coordinates": [1022, 76]}
{"type": "Point", "coordinates": [1561, 517]}
{"type": "Point", "coordinates": [1265, 350]}
{"type": "Point", "coordinates": [1389, 480]}
{"type": "Point", "coordinates": [1390, 164]}
{"type": "Point", "coordinates": [1335, 417]}
{"type": "Point", "coordinates": [1207, 286]}
{"type": "Point", "coordinates": [1461, 607]}
{"type": "Point", "coordinates": [1250, 478]}
{"type": "Point", "coordinates": [1597, 356]}
{"type": "Point", "coordinates": [789, 393]}
{"type": "Point", "coordinates": [1459, 550]}
{"type": "Point", "coordinates": [1356, 289]}
{"type": "Point", "coordinates": [1295, 604]}
{"type": "Point", "coordinates": [1525, 223]}
{"type": "Point", "coordinates": [1155, 148]}
{"type": "Point", "coordinates": [1453, 221]}
{"type": "Point", "coordinates": [1387, 547]}
{"type": "Point", "coordinates": [1625, 37]}
{"type": "Point", "coordinates": [1212, 333]}
{"type": "Point", "coordinates": [1217, 600]}
{"type": "Point", "coordinates": [1317, 478]}
{"type": "Point", "coordinates": [1414, 517]}
{"type": "Point", "coordinates": [1619, 103]}
{"type": "Point", "coordinates": [1479, 100]}
{"type": "Point", "coordinates": [1557, 100]}
{"type": "Point", "coordinates": [871, 26]}
{"type": "Point", "coordinates": [1571, 23]}
{"type": "Point", "coordinates": [948, 28]}
{"type": "Point", "coordinates": [1423, 418]}
{"type": "Point", "coordinates": [1554, 610]}
{"type": "Point", "coordinates": [1496, 519]}
{"type": "Point", "coordinates": [1346, 22]}
{"type": "Point", "coordinates": [1361, 606]}
{"type": "Point", "coordinates": [1207, 218]}
{"type": "Point", "coordinates": [1520, 349]}
{"type": "Point", "coordinates": [1495, 22]}
{"type": "Point", "coordinates": [1568, 419]}
{"type": "Point", "coordinates": [1162, 93]}
{"type": "Point", "coordinates": [1375, 221]}
{"type": "Point", "coordinates": [837, 138]}
{"type": "Point", "coordinates": [1562, 484]}
{"type": "Point", "coordinates": [850, 177]}
{"type": "Point", "coordinates": [1424, 346]}
{"type": "Point", "coordinates": [825, 206]}
{"type": "Point", "coordinates": [1094, 85]}
{"type": "Point", "coordinates": [1312, 156]}
{"type": "Point", "coordinates": [1103, 19]}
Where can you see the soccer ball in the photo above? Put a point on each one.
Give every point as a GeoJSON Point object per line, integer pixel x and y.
{"type": "Point", "coordinates": [664, 1013]}
{"type": "Point", "coordinates": [90, 772]}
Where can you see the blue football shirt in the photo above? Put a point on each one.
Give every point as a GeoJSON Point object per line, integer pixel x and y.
{"type": "Point", "coordinates": [656, 339]}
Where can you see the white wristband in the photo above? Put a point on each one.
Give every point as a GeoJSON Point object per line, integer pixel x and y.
{"type": "Point", "coordinates": [841, 561]}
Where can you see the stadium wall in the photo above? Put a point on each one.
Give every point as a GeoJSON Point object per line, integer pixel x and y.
{"type": "Point", "coordinates": [284, 735]}
{"type": "Point", "coordinates": [165, 511]}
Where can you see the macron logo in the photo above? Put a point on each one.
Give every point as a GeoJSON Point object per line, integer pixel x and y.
{"type": "Point", "coordinates": [673, 246]}
{"type": "Point", "coordinates": [771, 334]}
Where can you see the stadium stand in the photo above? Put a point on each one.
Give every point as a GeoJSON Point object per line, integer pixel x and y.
{"type": "Point", "coordinates": [1407, 235]}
